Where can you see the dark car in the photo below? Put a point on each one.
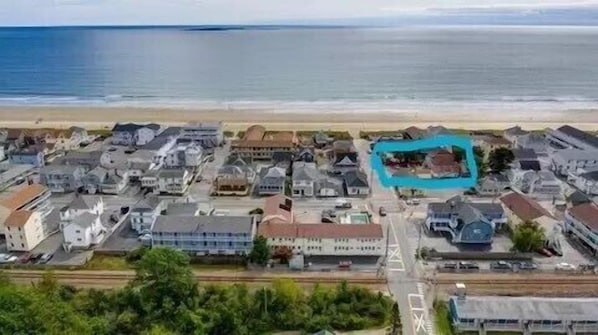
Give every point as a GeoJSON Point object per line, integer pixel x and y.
{"type": "Point", "coordinates": [468, 266]}
{"type": "Point", "coordinates": [500, 265]}
{"type": "Point", "coordinates": [382, 211]}
{"type": "Point", "coordinates": [450, 266]}
{"type": "Point", "coordinates": [525, 266]}
{"type": "Point", "coordinates": [25, 258]}
{"type": "Point", "coordinates": [35, 257]}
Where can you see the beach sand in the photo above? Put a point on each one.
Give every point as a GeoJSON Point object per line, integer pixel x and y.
{"type": "Point", "coordinates": [353, 121]}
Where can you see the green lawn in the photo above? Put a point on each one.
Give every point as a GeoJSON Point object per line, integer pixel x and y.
{"type": "Point", "coordinates": [114, 263]}
{"type": "Point", "coordinates": [441, 318]}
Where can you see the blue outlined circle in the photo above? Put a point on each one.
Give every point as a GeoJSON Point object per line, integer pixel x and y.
{"type": "Point", "coordinates": [427, 143]}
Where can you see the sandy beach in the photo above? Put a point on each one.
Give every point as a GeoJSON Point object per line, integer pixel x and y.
{"type": "Point", "coordinates": [237, 119]}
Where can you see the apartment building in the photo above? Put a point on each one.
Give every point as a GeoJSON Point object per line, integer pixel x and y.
{"type": "Point", "coordinates": [582, 222]}
{"type": "Point", "coordinates": [32, 197]}
{"type": "Point", "coordinates": [206, 134]}
{"type": "Point", "coordinates": [257, 144]}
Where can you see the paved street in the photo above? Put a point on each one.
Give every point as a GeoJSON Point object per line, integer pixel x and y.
{"type": "Point", "coordinates": [401, 270]}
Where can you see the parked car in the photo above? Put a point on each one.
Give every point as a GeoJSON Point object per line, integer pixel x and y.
{"type": "Point", "coordinates": [25, 258]}
{"type": "Point", "coordinates": [7, 259]}
{"type": "Point", "coordinates": [525, 265]}
{"type": "Point", "coordinates": [382, 211]}
{"type": "Point", "coordinates": [468, 266]}
{"type": "Point", "coordinates": [329, 213]}
{"type": "Point", "coordinates": [45, 258]}
{"type": "Point", "coordinates": [544, 252]}
{"type": "Point", "coordinates": [345, 265]}
{"type": "Point", "coordinates": [343, 204]}
{"type": "Point", "coordinates": [450, 266]}
{"type": "Point", "coordinates": [35, 257]}
{"type": "Point", "coordinates": [500, 265]}
{"type": "Point", "coordinates": [413, 202]}
{"type": "Point", "coordinates": [565, 267]}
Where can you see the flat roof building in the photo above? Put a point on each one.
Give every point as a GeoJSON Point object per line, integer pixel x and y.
{"type": "Point", "coordinates": [524, 314]}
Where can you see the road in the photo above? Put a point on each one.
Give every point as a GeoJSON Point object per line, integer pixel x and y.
{"type": "Point", "coordinates": [401, 269]}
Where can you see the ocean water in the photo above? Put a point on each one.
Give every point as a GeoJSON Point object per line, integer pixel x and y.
{"type": "Point", "coordinates": [295, 67]}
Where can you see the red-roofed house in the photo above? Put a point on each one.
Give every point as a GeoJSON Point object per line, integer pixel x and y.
{"type": "Point", "coordinates": [278, 209]}
{"type": "Point", "coordinates": [582, 222]}
{"type": "Point", "coordinates": [442, 164]}
{"type": "Point", "coordinates": [521, 208]}
{"type": "Point", "coordinates": [326, 239]}
{"type": "Point", "coordinates": [24, 230]}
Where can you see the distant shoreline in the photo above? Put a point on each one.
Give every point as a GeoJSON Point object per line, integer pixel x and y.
{"type": "Point", "coordinates": [234, 120]}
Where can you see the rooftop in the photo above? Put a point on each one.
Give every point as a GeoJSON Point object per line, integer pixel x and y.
{"type": "Point", "coordinates": [524, 207]}
{"type": "Point", "coordinates": [586, 213]}
{"type": "Point", "coordinates": [577, 154]}
{"type": "Point", "coordinates": [525, 154]}
{"type": "Point", "coordinates": [580, 135]}
{"type": "Point", "coordinates": [203, 224]}
{"type": "Point", "coordinates": [182, 208]}
{"type": "Point", "coordinates": [526, 308]}
{"type": "Point", "coordinates": [321, 230]}
{"type": "Point", "coordinates": [23, 196]}
{"type": "Point", "coordinates": [18, 218]}
{"type": "Point", "coordinates": [278, 207]}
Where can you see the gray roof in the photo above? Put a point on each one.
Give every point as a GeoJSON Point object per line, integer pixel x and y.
{"type": "Point", "coordinates": [61, 169]}
{"type": "Point", "coordinates": [531, 139]}
{"type": "Point", "coordinates": [448, 208]}
{"type": "Point", "coordinates": [98, 171]}
{"type": "Point", "coordinates": [237, 160]}
{"type": "Point", "coordinates": [592, 175]}
{"type": "Point", "coordinates": [578, 198]}
{"type": "Point", "coordinates": [171, 173]}
{"type": "Point", "coordinates": [131, 127]}
{"type": "Point", "coordinates": [516, 131]}
{"type": "Point", "coordinates": [85, 219]}
{"type": "Point", "coordinates": [157, 143]}
{"type": "Point", "coordinates": [500, 178]}
{"type": "Point", "coordinates": [83, 202]}
{"type": "Point", "coordinates": [231, 170]}
{"type": "Point", "coordinates": [580, 135]}
{"type": "Point", "coordinates": [182, 208]}
{"type": "Point", "coordinates": [307, 171]}
{"type": "Point", "coordinates": [272, 176]}
{"type": "Point", "coordinates": [469, 214]}
{"type": "Point", "coordinates": [148, 204]}
{"type": "Point", "coordinates": [171, 131]}
{"type": "Point", "coordinates": [525, 154]}
{"type": "Point", "coordinates": [203, 224]}
{"type": "Point", "coordinates": [282, 156]}
{"type": "Point", "coordinates": [526, 308]}
{"type": "Point", "coordinates": [356, 179]}
{"type": "Point", "coordinates": [577, 154]}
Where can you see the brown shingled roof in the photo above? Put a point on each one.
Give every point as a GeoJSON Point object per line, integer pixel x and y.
{"type": "Point", "coordinates": [18, 218]}
{"type": "Point", "coordinates": [524, 207]}
{"type": "Point", "coordinates": [23, 196]}
{"type": "Point", "coordinates": [586, 213]}
{"type": "Point", "coordinates": [321, 230]}
{"type": "Point", "coordinates": [254, 133]}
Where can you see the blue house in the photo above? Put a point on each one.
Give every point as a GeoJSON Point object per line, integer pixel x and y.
{"type": "Point", "coordinates": [205, 235]}
{"type": "Point", "coordinates": [28, 156]}
{"type": "Point", "coordinates": [467, 223]}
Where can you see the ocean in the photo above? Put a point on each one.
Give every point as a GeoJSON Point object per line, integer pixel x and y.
{"type": "Point", "coordinates": [412, 67]}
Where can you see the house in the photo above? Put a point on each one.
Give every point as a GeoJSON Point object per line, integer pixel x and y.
{"type": "Point", "coordinates": [32, 156]}
{"type": "Point", "coordinates": [587, 182]}
{"type": "Point", "coordinates": [491, 142]}
{"type": "Point", "coordinates": [115, 183]}
{"type": "Point", "coordinates": [157, 148]}
{"type": "Point", "coordinates": [356, 183]}
{"type": "Point", "coordinates": [137, 168]}
{"type": "Point", "coordinates": [569, 161]}
{"type": "Point", "coordinates": [278, 209]}
{"type": "Point", "coordinates": [34, 198]}
{"type": "Point", "coordinates": [282, 159]}
{"type": "Point", "coordinates": [184, 155]}
{"type": "Point", "coordinates": [533, 141]}
{"type": "Point", "coordinates": [231, 180]}
{"type": "Point", "coordinates": [257, 144]}
{"type": "Point", "coordinates": [174, 181]}
{"type": "Point", "coordinates": [581, 222]}
{"type": "Point", "coordinates": [83, 231]}
{"type": "Point", "coordinates": [205, 235]}
{"type": "Point", "coordinates": [521, 208]}
{"type": "Point", "coordinates": [493, 185]}
{"type": "Point", "coordinates": [432, 131]}
{"type": "Point", "coordinates": [567, 137]}
{"type": "Point", "coordinates": [304, 178]}
{"type": "Point", "coordinates": [245, 164]}
{"type": "Point", "coordinates": [329, 187]}
{"type": "Point", "coordinates": [182, 209]}
{"type": "Point", "coordinates": [88, 160]}
{"type": "Point", "coordinates": [344, 157]}
{"type": "Point", "coordinates": [131, 134]}
{"type": "Point", "coordinates": [541, 185]}
{"type": "Point", "coordinates": [513, 133]}
{"type": "Point", "coordinates": [16, 137]}
{"type": "Point", "coordinates": [272, 181]}
{"type": "Point", "coordinates": [326, 239]}
{"type": "Point", "coordinates": [144, 214]}
{"type": "Point", "coordinates": [321, 139]}
{"type": "Point", "coordinates": [577, 198]}
{"type": "Point", "coordinates": [306, 154]}
{"type": "Point", "coordinates": [23, 230]}
{"type": "Point", "coordinates": [66, 139]}
{"type": "Point", "coordinates": [93, 180]}
{"type": "Point", "coordinates": [466, 222]}
{"type": "Point", "coordinates": [62, 178]}
{"type": "Point", "coordinates": [207, 135]}
{"type": "Point", "coordinates": [442, 164]}
{"type": "Point", "coordinates": [525, 159]}
{"type": "Point", "coordinates": [414, 133]}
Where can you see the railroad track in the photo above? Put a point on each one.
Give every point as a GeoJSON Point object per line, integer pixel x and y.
{"type": "Point", "coordinates": [108, 276]}
{"type": "Point", "coordinates": [516, 281]}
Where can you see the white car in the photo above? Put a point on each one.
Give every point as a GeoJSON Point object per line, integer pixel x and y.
{"type": "Point", "coordinates": [8, 259]}
{"type": "Point", "coordinates": [565, 267]}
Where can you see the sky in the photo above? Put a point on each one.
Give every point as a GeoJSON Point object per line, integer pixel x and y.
{"type": "Point", "coordinates": [196, 12]}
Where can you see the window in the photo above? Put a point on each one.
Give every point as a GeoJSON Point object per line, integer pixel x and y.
{"type": "Point", "coordinates": [77, 231]}
{"type": "Point", "coordinates": [22, 245]}
{"type": "Point", "coordinates": [79, 239]}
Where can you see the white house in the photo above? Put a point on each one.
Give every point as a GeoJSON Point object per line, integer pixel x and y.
{"type": "Point", "coordinates": [568, 161]}
{"type": "Point", "coordinates": [130, 134]}
{"type": "Point", "coordinates": [356, 183]}
{"type": "Point", "coordinates": [572, 138]}
{"type": "Point", "coordinates": [582, 222]}
{"type": "Point", "coordinates": [174, 181]}
{"type": "Point", "coordinates": [23, 230]}
{"type": "Point", "coordinates": [81, 204]}
{"type": "Point", "coordinates": [182, 155]}
{"type": "Point", "coordinates": [325, 239]}
{"type": "Point", "coordinates": [587, 182]}
{"type": "Point", "coordinates": [540, 185]}
{"type": "Point", "coordinates": [83, 231]}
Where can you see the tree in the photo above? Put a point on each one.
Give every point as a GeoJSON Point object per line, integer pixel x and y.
{"type": "Point", "coordinates": [499, 159]}
{"type": "Point", "coordinates": [165, 282]}
{"type": "Point", "coordinates": [528, 236]}
{"type": "Point", "coordinates": [396, 327]}
{"type": "Point", "coordinates": [260, 253]}
{"type": "Point", "coordinates": [283, 254]}
{"type": "Point", "coordinates": [479, 154]}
